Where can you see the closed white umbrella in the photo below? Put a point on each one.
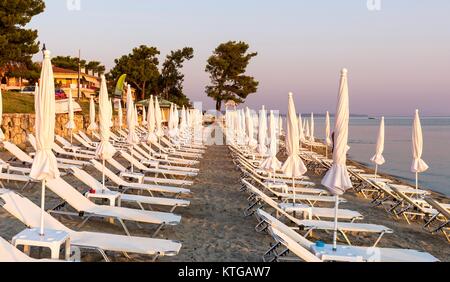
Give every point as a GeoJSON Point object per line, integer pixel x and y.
{"type": "Point", "coordinates": [158, 119]}
{"type": "Point", "coordinates": [262, 133]}
{"type": "Point", "coordinates": [136, 116]}
{"type": "Point", "coordinates": [132, 137]}
{"type": "Point", "coordinates": [328, 141]}
{"type": "Point", "coordinates": [111, 113]}
{"type": "Point", "coordinates": [293, 167]}
{"type": "Point", "coordinates": [105, 149]}
{"type": "Point", "coordinates": [136, 120]}
{"type": "Point", "coordinates": [183, 122]}
{"type": "Point", "coordinates": [301, 132]}
{"type": "Point", "coordinates": [280, 125]}
{"type": "Point", "coordinates": [44, 166]}
{"type": "Point", "coordinates": [151, 136]}
{"type": "Point", "coordinates": [305, 126]}
{"type": "Point", "coordinates": [71, 123]}
{"type": "Point", "coordinates": [176, 120]}
{"type": "Point", "coordinates": [307, 133]}
{"type": "Point", "coordinates": [188, 118]}
{"type": "Point", "coordinates": [170, 124]}
{"type": "Point", "coordinates": [252, 143]}
{"type": "Point", "coordinates": [272, 164]}
{"type": "Point", "coordinates": [92, 125]}
{"type": "Point", "coordinates": [240, 125]}
{"type": "Point", "coordinates": [2, 136]}
{"type": "Point", "coordinates": [311, 131]}
{"type": "Point", "coordinates": [378, 158]}
{"type": "Point", "coordinates": [144, 116]}
{"type": "Point", "coordinates": [237, 127]}
{"type": "Point", "coordinates": [418, 165]}
{"type": "Point", "coordinates": [337, 179]}
{"type": "Point", "coordinates": [120, 114]}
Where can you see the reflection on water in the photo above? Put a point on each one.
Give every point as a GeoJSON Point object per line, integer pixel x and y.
{"type": "Point", "coordinates": [398, 151]}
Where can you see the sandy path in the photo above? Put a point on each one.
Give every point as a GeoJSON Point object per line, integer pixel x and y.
{"type": "Point", "coordinates": [213, 228]}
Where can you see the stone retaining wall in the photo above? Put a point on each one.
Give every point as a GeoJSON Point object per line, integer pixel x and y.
{"type": "Point", "coordinates": [16, 127]}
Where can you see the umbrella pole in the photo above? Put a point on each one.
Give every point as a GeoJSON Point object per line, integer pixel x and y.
{"type": "Point", "coordinates": [293, 190]}
{"type": "Point", "coordinates": [71, 136]}
{"type": "Point", "coordinates": [41, 231]}
{"type": "Point", "coordinates": [336, 208]}
{"type": "Point", "coordinates": [103, 175]}
{"type": "Point", "coordinates": [417, 183]}
{"type": "Point", "coordinates": [131, 152]}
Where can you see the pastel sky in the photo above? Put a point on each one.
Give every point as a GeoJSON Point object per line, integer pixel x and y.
{"type": "Point", "coordinates": [398, 58]}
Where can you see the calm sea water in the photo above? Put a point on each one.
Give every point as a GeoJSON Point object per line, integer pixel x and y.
{"type": "Point", "coordinates": [398, 150]}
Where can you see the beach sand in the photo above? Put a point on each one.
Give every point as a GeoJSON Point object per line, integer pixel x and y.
{"type": "Point", "coordinates": [213, 228]}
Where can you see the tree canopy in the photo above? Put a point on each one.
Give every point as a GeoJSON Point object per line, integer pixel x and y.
{"type": "Point", "coordinates": [141, 68]}
{"type": "Point", "coordinates": [227, 67]}
{"type": "Point", "coordinates": [95, 66]}
{"type": "Point", "coordinates": [71, 63]}
{"type": "Point", "coordinates": [68, 62]}
{"type": "Point", "coordinates": [171, 79]}
{"type": "Point", "coordinates": [18, 44]}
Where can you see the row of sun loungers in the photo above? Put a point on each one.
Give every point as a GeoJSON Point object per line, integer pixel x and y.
{"type": "Point", "coordinates": [162, 176]}
{"type": "Point", "coordinates": [398, 200]}
{"type": "Point", "coordinates": [298, 209]}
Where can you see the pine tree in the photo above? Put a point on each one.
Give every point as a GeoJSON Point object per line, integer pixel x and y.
{"type": "Point", "coordinates": [17, 43]}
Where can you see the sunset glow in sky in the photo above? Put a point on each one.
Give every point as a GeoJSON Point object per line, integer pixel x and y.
{"type": "Point", "coordinates": [398, 58]}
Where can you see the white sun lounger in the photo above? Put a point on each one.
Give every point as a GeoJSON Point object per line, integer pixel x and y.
{"type": "Point", "coordinates": [29, 214]}
{"type": "Point", "coordinates": [147, 159]}
{"type": "Point", "coordinates": [69, 147]}
{"type": "Point", "coordinates": [9, 168]}
{"type": "Point", "coordinates": [308, 212]}
{"type": "Point", "coordinates": [83, 142]}
{"type": "Point", "coordinates": [75, 154]}
{"type": "Point", "coordinates": [443, 216]}
{"type": "Point", "coordinates": [15, 178]}
{"type": "Point", "coordinates": [144, 169]}
{"type": "Point", "coordinates": [24, 158]}
{"type": "Point", "coordinates": [197, 152]}
{"type": "Point", "coordinates": [301, 186]}
{"type": "Point", "coordinates": [173, 152]}
{"type": "Point", "coordinates": [310, 225]}
{"type": "Point", "coordinates": [91, 182]}
{"type": "Point", "coordinates": [167, 158]}
{"type": "Point", "coordinates": [307, 198]}
{"type": "Point", "coordinates": [147, 179]}
{"type": "Point", "coordinates": [89, 209]}
{"type": "Point", "coordinates": [60, 151]}
{"type": "Point", "coordinates": [122, 184]}
{"type": "Point", "coordinates": [87, 139]}
{"type": "Point", "coordinates": [306, 250]}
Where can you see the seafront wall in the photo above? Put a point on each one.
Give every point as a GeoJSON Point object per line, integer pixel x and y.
{"type": "Point", "coordinates": [16, 127]}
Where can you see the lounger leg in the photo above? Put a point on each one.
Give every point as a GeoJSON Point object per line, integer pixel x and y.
{"type": "Point", "coordinates": [430, 220]}
{"type": "Point", "coordinates": [345, 237]}
{"type": "Point", "coordinates": [250, 210]}
{"type": "Point", "coordinates": [261, 226]}
{"type": "Point", "coordinates": [105, 257]}
{"type": "Point", "coordinates": [124, 226]}
{"type": "Point", "coordinates": [378, 239]}
{"type": "Point", "coordinates": [269, 251]}
{"type": "Point", "coordinates": [157, 230]}
{"type": "Point", "coordinates": [155, 258]}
